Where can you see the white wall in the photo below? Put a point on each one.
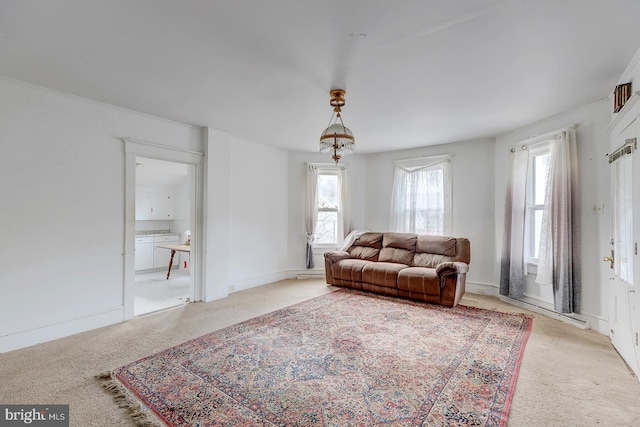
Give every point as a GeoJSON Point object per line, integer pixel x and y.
{"type": "Point", "coordinates": [593, 145]}
{"type": "Point", "coordinates": [62, 169]}
{"type": "Point", "coordinates": [472, 199]}
{"type": "Point", "coordinates": [479, 172]}
{"type": "Point", "coordinates": [246, 192]}
{"type": "Point", "coordinates": [62, 195]}
{"type": "Point", "coordinates": [64, 210]}
{"type": "Point", "coordinates": [258, 250]}
{"type": "Point", "coordinates": [216, 213]}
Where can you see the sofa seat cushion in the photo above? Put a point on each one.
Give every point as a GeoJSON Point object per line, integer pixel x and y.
{"type": "Point", "coordinates": [349, 269]}
{"type": "Point", "coordinates": [419, 280]}
{"type": "Point", "coordinates": [382, 273]}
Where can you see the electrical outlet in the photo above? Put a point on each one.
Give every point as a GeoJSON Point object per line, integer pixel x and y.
{"type": "Point", "coordinates": [597, 208]}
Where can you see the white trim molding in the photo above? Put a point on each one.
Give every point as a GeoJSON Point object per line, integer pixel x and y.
{"type": "Point", "coordinates": [583, 320]}
{"type": "Point", "coordinates": [481, 288]}
{"type": "Point", "coordinates": [194, 159]}
{"type": "Point", "coordinates": [241, 285]}
{"type": "Point", "coordinates": [567, 318]}
{"type": "Point", "coordinates": [63, 329]}
{"type": "Point", "coordinates": [163, 152]}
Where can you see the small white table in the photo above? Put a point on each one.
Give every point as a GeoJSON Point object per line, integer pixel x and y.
{"type": "Point", "coordinates": [174, 249]}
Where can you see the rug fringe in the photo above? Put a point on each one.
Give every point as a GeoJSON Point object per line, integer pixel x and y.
{"type": "Point", "coordinates": [139, 413]}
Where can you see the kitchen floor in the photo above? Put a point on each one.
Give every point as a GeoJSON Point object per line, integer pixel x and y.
{"type": "Point", "coordinates": [154, 292]}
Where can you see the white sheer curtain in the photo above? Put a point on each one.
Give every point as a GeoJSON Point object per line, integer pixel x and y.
{"type": "Point", "coordinates": [421, 197]}
{"type": "Point", "coordinates": [558, 263]}
{"type": "Point", "coordinates": [513, 266]}
{"type": "Point", "coordinates": [311, 211]}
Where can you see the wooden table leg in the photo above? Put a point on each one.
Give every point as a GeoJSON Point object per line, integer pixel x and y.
{"type": "Point", "coordinates": [173, 252]}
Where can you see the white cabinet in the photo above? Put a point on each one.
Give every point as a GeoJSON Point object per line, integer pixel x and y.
{"type": "Point", "coordinates": [161, 256]}
{"type": "Point", "coordinates": [163, 206]}
{"type": "Point", "coordinates": [143, 205]}
{"type": "Point", "coordinates": [144, 253]}
{"type": "Point", "coordinates": [155, 203]}
{"type": "Point", "coordinates": [149, 256]}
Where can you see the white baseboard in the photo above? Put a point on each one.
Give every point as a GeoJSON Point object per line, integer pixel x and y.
{"type": "Point", "coordinates": [584, 320]}
{"type": "Point", "coordinates": [312, 273]}
{"type": "Point", "coordinates": [63, 329]}
{"type": "Point", "coordinates": [596, 322]}
{"type": "Point", "coordinates": [253, 282]}
{"type": "Point", "coordinates": [567, 318]}
{"type": "Point", "coordinates": [481, 288]}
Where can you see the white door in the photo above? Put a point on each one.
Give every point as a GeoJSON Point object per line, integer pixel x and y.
{"type": "Point", "coordinates": [634, 289]}
{"type": "Point", "coordinates": [621, 258]}
{"type": "Point", "coordinates": [634, 298]}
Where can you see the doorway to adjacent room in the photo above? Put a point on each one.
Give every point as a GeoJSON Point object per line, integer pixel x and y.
{"type": "Point", "coordinates": [187, 209]}
{"type": "Point", "coordinates": [162, 213]}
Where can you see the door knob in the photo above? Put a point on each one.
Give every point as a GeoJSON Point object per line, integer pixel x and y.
{"type": "Point", "coordinates": [609, 259]}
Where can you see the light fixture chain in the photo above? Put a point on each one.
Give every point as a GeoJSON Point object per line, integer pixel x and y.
{"type": "Point", "coordinates": [333, 139]}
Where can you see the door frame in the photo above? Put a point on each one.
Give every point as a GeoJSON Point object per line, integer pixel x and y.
{"type": "Point", "coordinates": [194, 160]}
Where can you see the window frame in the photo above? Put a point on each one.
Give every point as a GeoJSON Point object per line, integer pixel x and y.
{"type": "Point", "coordinates": [535, 151]}
{"type": "Point", "coordinates": [333, 171]}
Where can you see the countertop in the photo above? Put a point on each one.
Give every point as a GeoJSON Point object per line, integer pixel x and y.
{"type": "Point", "coordinates": [152, 233]}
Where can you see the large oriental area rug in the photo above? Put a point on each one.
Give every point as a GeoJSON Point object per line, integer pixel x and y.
{"type": "Point", "coordinates": [342, 359]}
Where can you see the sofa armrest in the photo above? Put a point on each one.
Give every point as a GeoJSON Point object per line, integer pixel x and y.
{"type": "Point", "coordinates": [447, 268]}
{"type": "Point", "coordinates": [331, 257]}
{"type": "Point", "coordinates": [335, 256]}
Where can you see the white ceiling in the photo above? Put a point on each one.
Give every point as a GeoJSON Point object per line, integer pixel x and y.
{"type": "Point", "coordinates": [416, 72]}
{"type": "Point", "coordinates": [160, 173]}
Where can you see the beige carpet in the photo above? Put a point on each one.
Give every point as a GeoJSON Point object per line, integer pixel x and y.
{"type": "Point", "coordinates": [568, 376]}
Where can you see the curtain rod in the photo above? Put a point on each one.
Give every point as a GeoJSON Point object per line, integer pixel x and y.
{"type": "Point", "coordinates": [548, 134]}
{"type": "Point", "coordinates": [533, 140]}
{"type": "Point", "coordinates": [326, 165]}
{"type": "Point", "coordinates": [435, 157]}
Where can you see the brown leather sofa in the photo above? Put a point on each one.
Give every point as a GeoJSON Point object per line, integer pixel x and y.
{"type": "Point", "coordinates": [417, 267]}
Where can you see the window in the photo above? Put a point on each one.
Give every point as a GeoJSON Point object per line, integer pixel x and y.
{"type": "Point", "coordinates": [328, 208]}
{"type": "Point", "coordinates": [421, 199]}
{"type": "Point", "coordinates": [536, 196]}
{"type": "Point", "coordinates": [539, 229]}
{"type": "Point", "coordinates": [327, 218]}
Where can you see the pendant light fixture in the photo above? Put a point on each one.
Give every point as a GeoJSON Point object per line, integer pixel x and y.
{"type": "Point", "coordinates": [337, 139]}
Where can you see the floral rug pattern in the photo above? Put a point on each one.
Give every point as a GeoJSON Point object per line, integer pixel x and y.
{"type": "Point", "coordinates": [341, 359]}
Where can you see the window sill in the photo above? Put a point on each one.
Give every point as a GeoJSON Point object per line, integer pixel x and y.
{"type": "Point", "coordinates": [532, 268]}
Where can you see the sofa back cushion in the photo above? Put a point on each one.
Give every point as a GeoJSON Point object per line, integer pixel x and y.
{"type": "Point", "coordinates": [398, 248]}
{"type": "Point", "coordinates": [433, 250]}
{"type": "Point", "coordinates": [367, 246]}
